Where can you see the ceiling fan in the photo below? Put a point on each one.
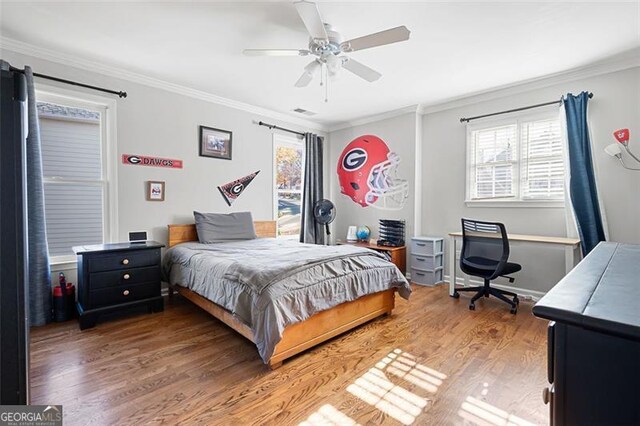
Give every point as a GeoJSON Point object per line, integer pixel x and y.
{"type": "Point", "coordinates": [326, 44]}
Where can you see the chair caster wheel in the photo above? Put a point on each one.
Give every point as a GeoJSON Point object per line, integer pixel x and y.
{"type": "Point", "coordinates": [456, 295]}
{"type": "Point", "coordinates": [516, 300]}
{"type": "Point", "coordinates": [472, 307]}
{"type": "Point", "coordinates": [514, 310]}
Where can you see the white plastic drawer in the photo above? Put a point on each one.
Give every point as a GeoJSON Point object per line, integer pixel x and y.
{"type": "Point", "coordinates": [426, 247]}
{"type": "Point", "coordinates": [421, 277]}
{"type": "Point", "coordinates": [425, 262]}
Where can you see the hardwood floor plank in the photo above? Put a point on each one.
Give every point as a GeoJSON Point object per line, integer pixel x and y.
{"type": "Point", "coordinates": [431, 362]}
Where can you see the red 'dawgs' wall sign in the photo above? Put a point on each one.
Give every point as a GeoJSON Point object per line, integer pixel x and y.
{"type": "Point", "coordinates": [141, 160]}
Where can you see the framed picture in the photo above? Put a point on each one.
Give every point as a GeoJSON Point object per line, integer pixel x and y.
{"type": "Point", "coordinates": [215, 143]}
{"type": "Point", "coordinates": [155, 190]}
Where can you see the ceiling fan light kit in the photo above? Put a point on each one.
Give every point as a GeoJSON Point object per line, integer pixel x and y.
{"type": "Point", "coordinates": [328, 47]}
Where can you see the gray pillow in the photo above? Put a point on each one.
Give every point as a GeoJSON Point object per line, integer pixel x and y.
{"type": "Point", "coordinates": [220, 228]}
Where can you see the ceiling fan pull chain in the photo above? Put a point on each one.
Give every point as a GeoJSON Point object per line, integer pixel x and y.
{"type": "Point", "coordinates": [326, 86]}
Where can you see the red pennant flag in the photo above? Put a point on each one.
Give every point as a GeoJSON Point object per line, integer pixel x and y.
{"type": "Point", "coordinates": [232, 190]}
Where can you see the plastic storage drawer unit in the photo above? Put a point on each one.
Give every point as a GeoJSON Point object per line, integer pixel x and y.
{"type": "Point", "coordinates": [427, 260]}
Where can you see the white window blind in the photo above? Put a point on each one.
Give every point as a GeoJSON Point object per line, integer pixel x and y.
{"type": "Point", "coordinates": [543, 164]}
{"type": "Point", "coordinates": [517, 160]}
{"type": "Point", "coordinates": [74, 186]}
{"type": "Point", "coordinates": [494, 162]}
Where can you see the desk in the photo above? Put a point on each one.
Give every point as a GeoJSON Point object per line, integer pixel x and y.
{"type": "Point", "coordinates": [571, 252]}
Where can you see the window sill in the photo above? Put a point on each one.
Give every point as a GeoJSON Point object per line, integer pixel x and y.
{"type": "Point", "coordinates": [552, 204]}
{"type": "Point", "coordinates": [57, 265]}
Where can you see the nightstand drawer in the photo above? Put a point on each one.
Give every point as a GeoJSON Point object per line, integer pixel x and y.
{"type": "Point", "coordinates": [123, 294]}
{"type": "Point", "coordinates": [124, 260]}
{"type": "Point", "coordinates": [98, 280]}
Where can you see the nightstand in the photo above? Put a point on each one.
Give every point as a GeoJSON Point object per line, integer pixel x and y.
{"type": "Point", "coordinates": [114, 277]}
{"type": "Point", "coordinates": [396, 255]}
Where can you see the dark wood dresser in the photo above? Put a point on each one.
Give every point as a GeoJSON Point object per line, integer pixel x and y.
{"type": "Point", "coordinates": [594, 339]}
{"type": "Point", "coordinates": [113, 277]}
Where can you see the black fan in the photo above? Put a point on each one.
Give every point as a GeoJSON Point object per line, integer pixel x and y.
{"type": "Point", "coordinates": [324, 211]}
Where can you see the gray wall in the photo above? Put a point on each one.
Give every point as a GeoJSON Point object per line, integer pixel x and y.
{"type": "Point", "coordinates": [434, 150]}
{"type": "Point", "coordinates": [616, 104]}
{"type": "Point", "coordinates": [155, 122]}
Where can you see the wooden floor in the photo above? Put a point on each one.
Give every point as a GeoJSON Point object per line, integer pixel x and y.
{"type": "Point", "coordinates": [432, 362]}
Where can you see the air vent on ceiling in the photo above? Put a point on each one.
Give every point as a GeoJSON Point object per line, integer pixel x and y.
{"type": "Point", "coordinates": [303, 111]}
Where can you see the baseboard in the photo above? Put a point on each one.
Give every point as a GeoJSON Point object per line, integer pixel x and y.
{"type": "Point", "coordinates": [523, 293]}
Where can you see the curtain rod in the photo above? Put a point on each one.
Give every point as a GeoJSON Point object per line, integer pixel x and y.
{"type": "Point", "coordinates": [273, 126]}
{"type": "Point", "coordinates": [73, 83]}
{"type": "Point", "coordinates": [462, 120]}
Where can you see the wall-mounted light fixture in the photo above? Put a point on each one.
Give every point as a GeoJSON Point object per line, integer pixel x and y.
{"type": "Point", "coordinates": [622, 136]}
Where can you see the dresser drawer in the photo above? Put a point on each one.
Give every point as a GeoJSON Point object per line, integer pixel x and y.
{"type": "Point", "coordinates": [426, 247]}
{"type": "Point", "coordinates": [123, 294]}
{"type": "Point", "coordinates": [124, 260]}
{"type": "Point", "coordinates": [421, 277]}
{"type": "Point", "coordinates": [427, 263]}
{"type": "Point", "coordinates": [98, 280]}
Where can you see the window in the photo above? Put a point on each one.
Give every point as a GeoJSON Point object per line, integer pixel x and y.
{"type": "Point", "coordinates": [520, 160]}
{"type": "Point", "coordinates": [288, 161]}
{"type": "Point", "coordinates": [75, 174]}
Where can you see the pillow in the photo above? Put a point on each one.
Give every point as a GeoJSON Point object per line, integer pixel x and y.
{"type": "Point", "coordinates": [220, 228]}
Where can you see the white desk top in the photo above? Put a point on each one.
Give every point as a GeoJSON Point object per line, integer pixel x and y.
{"type": "Point", "coordinates": [535, 239]}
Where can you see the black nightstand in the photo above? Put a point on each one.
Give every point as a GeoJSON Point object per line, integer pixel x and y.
{"type": "Point", "coordinates": [118, 276]}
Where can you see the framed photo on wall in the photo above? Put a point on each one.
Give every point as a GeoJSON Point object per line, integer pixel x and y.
{"type": "Point", "coordinates": [215, 143]}
{"type": "Point", "coordinates": [155, 190]}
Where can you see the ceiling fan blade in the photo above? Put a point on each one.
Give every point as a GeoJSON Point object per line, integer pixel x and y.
{"type": "Point", "coordinates": [307, 75]}
{"type": "Point", "coordinates": [275, 52]}
{"type": "Point", "coordinates": [389, 36]}
{"type": "Point", "coordinates": [311, 18]}
{"type": "Point", "coordinates": [361, 70]}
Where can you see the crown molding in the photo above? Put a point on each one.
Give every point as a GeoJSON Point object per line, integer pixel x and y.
{"type": "Point", "coordinates": [115, 72]}
{"type": "Point", "coordinates": [621, 62]}
{"type": "Point", "coordinates": [624, 61]}
{"type": "Point", "coordinates": [412, 109]}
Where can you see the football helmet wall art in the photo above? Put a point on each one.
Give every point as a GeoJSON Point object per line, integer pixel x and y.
{"type": "Point", "coordinates": [367, 171]}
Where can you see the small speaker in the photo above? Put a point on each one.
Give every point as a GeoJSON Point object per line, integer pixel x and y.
{"type": "Point", "coordinates": [137, 237]}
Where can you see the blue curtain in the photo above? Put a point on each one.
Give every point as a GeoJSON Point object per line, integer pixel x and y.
{"type": "Point", "coordinates": [582, 184]}
{"type": "Point", "coordinates": [310, 231]}
{"type": "Point", "coordinates": [39, 286]}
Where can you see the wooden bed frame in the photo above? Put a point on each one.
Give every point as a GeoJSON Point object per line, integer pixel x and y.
{"type": "Point", "coordinates": [296, 337]}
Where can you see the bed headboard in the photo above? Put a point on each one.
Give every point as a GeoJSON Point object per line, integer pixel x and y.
{"type": "Point", "coordinates": [185, 233]}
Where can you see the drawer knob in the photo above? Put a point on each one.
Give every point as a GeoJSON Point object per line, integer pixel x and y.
{"type": "Point", "coordinates": [125, 261]}
{"type": "Point", "coordinates": [546, 395]}
{"type": "Point", "coordinates": [126, 292]}
{"type": "Point", "coordinates": [421, 244]}
{"type": "Point", "coordinates": [126, 276]}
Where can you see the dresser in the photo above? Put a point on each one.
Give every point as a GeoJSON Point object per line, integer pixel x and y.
{"type": "Point", "coordinates": [114, 277]}
{"type": "Point", "coordinates": [396, 255]}
{"type": "Point", "coordinates": [594, 340]}
{"type": "Point", "coordinates": [427, 260]}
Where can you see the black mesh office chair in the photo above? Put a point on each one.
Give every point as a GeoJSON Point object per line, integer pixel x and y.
{"type": "Point", "coordinates": [485, 251]}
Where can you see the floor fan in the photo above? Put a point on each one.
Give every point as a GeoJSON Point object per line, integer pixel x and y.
{"type": "Point", "coordinates": [324, 212]}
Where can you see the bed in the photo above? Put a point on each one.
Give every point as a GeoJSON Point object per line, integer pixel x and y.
{"type": "Point", "coordinates": [281, 305]}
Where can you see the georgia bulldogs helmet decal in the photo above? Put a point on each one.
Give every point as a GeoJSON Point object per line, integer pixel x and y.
{"type": "Point", "coordinates": [367, 173]}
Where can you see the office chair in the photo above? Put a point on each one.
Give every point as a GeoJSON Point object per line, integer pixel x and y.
{"type": "Point", "coordinates": [485, 251]}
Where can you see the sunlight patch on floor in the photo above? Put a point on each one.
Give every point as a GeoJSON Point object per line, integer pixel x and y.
{"type": "Point", "coordinates": [328, 415]}
{"type": "Point", "coordinates": [375, 388]}
{"type": "Point", "coordinates": [482, 413]}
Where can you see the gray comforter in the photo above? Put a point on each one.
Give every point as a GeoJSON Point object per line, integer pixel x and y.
{"type": "Point", "coordinates": [270, 283]}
